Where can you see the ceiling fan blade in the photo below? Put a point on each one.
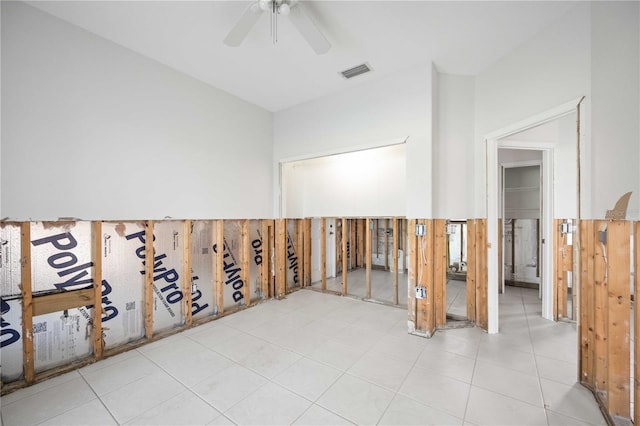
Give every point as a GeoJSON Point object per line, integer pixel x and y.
{"type": "Point", "coordinates": [308, 29]}
{"type": "Point", "coordinates": [239, 32]}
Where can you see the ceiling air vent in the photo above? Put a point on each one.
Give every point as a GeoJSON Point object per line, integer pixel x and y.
{"type": "Point", "coordinates": [357, 70]}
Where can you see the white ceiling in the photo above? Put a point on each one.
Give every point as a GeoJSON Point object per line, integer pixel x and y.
{"type": "Point", "coordinates": [459, 37]}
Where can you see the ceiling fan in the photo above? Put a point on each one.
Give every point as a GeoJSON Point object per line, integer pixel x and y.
{"type": "Point", "coordinates": [294, 9]}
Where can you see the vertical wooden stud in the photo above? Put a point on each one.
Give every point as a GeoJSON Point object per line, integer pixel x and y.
{"type": "Point", "coordinates": [587, 307]}
{"type": "Point", "coordinates": [345, 257]}
{"type": "Point", "coordinates": [367, 245]}
{"type": "Point", "coordinates": [272, 258]}
{"type": "Point", "coordinates": [471, 270]}
{"type": "Point", "coordinates": [148, 282]}
{"type": "Point", "coordinates": [266, 259]}
{"type": "Point", "coordinates": [412, 256]}
{"type": "Point", "coordinates": [557, 277]}
{"type": "Point", "coordinates": [323, 252]}
{"type": "Point", "coordinates": [306, 277]}
{"type": "Point", "coordinates": [395, 259]}
{"type": "Point", "coordinates": [386, 243]}
{"type": "Point", "coordinates": [97, 288]}
{"type": "Point", "coordinates": [28, 356]}
{"type": "Point", "coordinates": [482, 310]}
{"type": "Point", "coordinates": [219, 259]}
{"type": "Point", "coordinates": [245, 256]}
{"type": "Point", "coordinates": [353, 242]}
{"type": "Point", "coordinates": [362, 236]}
{"type": "Point", "coordinates": [636, 328]}
{"type": "Point", "coordinates": [281, 257]}
{"type": "Point", "coordinates": [186, 273]}
{"type": "Point", "coordinates": [440, 271]}
{"type": "Point", "coordinates": [618, 327]}
{"type": "Point", "coordinates": [600, 310]}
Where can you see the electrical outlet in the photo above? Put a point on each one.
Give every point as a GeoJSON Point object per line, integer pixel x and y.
{"type": "Point", "coordinates": [421, 230]}
{"type": "Point", "coordinates": [421, 292]}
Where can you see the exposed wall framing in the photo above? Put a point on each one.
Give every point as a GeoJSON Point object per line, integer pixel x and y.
{"type": "Point", "coordinates": [80, 257]}
{"type": "Point", "coordinates": [563, 272]}
{"type": "Point", "coordinates": [605, 312]}
{"type": "Point", "coordinates": [477, 308]}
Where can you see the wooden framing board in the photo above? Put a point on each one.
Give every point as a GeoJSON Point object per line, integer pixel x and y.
{"type": "Point", "coordinates": [57, 302]}
{"type": "Point", "coordinates": [412, 256]}
{"type": "Point", "coordinates": [425, 308]}
{"type": "Point", "coordinates": [367, 250]}
{"type": "Point", "coordinates": [219, 266]}
{"type": "Point", "coordinates": [586, 327]}
{"type": "Point", "coordinates": [272, 258]}
{"type": "Point", "coordinates": [148, 279]}
{"type": "Point", "coordinates": [440, 271]}
{"type": "Point", "coordinates": [281, 257]}
{"type": "Point", "coordinates": [323, 253]}
{"type": "Point", "coordinates": [482, 309]}
{"type": "Point", "coordinates": [245, 256]}
{"type": "Point", "coordinates": [345, 238]}
{"type": "Point", "coordinates": [186, 273]}
{"type": "Point", "coordinates": [600, 311]}
{"type": "Point", "coordinates": [636, 347]}
{"type": "Point", "coordinates": [471, 270]}
{"type": "Point", "coordinates": [353, 243]}
{"type": "Point", "coordinates": [27, 304]}
{"type": "Point", "coordinates": [618, 318]}
{"type": "Point", "coordinates": [96, 329]}
{"type": "Point", "coordinates": [386, 243]}
{"type": "Point", "coordinates": [266, 258]}
{"type": "Point", "coordinates": [306, 277]}
{"type": "Point", "coordinates": [395, 259]}
{"type": "Point", "coordinates": [299, 239]}
{"type": "Point", "coordinates": [500, 259]}
{"type": "Point", "coordinates": [361, 232]}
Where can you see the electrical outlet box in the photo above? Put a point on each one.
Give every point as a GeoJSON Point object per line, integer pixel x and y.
{"type": "Point", "coordinates": [421, 292]}
{"type": "Point", "coordinates": [451, 229]}
{"type": "Point", "coordinates": [421, 230]}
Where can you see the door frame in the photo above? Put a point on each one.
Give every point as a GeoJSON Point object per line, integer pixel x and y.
{"type": "Point", "coordinates": [492, 143]}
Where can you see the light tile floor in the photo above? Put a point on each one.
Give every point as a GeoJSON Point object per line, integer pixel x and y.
{"type": "Point", "coordinates": [316, 358]}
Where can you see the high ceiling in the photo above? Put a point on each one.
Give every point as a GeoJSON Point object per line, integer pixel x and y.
{"type": "Point", "coordinates": [459, 37]}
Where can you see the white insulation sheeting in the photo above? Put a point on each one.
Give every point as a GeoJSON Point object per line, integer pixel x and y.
{"type": "Point", "coordinates": [122, 283]}
{"type": "Point", "coordinates": [10, 254]}
{"type": "Point", "coordinates": [293, 272]}
{"type": "Point", "coordinates": [61, 260]}
{"type": "Point", "coordinates": [256, 260]}
{"type": "Point", "coordinates": [203, 271]}
{"type": "Point", "coordinates": [11, 345]}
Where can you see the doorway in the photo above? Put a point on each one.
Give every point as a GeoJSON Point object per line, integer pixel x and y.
{"type": "Point", "coordinates": [521, 219]}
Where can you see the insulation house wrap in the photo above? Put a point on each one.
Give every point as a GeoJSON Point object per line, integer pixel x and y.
{"type": "Point", "coordinates": [61, 260]}
{"type": "Point", "coordinates": [256, 260]}
{"type": "Point", "coordinates": [203, 271]}
{"type": "Point", "coordinates": [293, 275]}
{"type": "Point", "coordinates": [10, 302]}
{"type": "Point", "coordinates": [122, 284]}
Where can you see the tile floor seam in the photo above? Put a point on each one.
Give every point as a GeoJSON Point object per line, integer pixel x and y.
{"type": "Point", "coordinates": [535, 360]}
{"type": "Point", "coordinates": [473, 372]}
{"type": "Point", "coordinates": [187, 387]}
{"type": "Point", "coordinates": [98, 398]}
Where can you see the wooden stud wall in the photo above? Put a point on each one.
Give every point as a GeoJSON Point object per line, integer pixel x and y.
{"type": "Point", "coordinates": [605, 309]}
{"type": "Point", "coordinates": [440, 270]}
{"type": "Point", "coordinates": [395, 258]}
{"type": "Point", "coordinates": [281, 257]}
{"type": "Point", "coordinates": [345, 257]}
{"type": "Point", "coordinates": [477, 307]}
{"type": "Point", "coordinates": [323, 253]}
{"type": "Point", "coordinates": [412, 257]}
{"type": "Point", "coordinates": [186, 274]}
{"type": "Point", "coordinates": [562, 265]}
{"type": "Point", "coordinates": [33, 306]}
{"type": "Point", "coordinates": [96, 326]}
{"type": "Point", "coordinates": [148, 279]}
{"type": "Point", "coordinates": [636, 328]}
{"type": "Point", "coordinates": [367, 231]}
{"type": "Point", "coordinates": [307, 253]}
{"type": "Point", "coordinates": [471, 270]}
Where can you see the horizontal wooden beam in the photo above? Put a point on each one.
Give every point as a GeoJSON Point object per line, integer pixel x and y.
{"type": "Point", "coordinates": [57, 302]}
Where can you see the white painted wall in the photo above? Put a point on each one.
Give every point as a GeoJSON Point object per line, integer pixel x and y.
{"type": "Point", "coordinates": [548, 70]}
{"type": "Point", "coordinates": [95, 131]}
{"type": "Point", "coordinates": [362, 183]}
{"type": "Point", "coordinates": [453, 154]}
{"type": "Point", "coordinates": [615, 129]}
{"type": "Point", "coordinates": [370, 114]}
